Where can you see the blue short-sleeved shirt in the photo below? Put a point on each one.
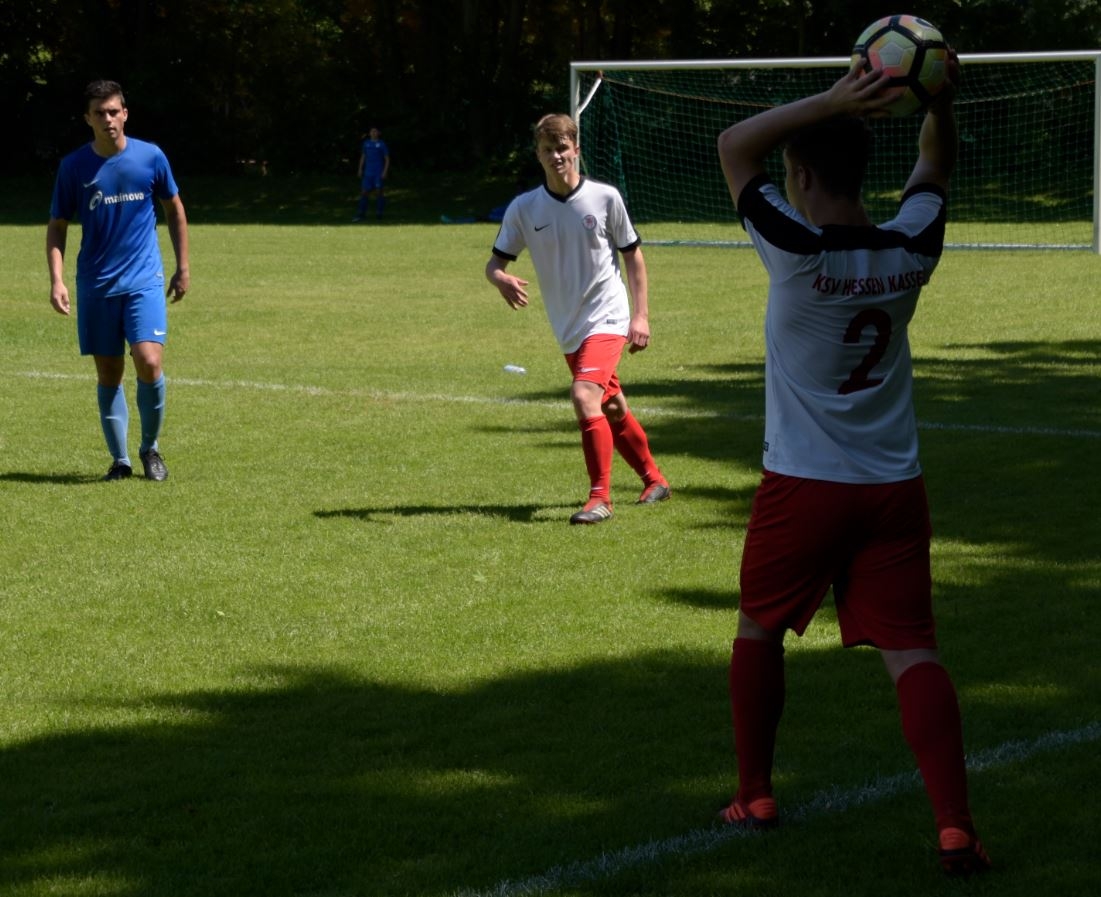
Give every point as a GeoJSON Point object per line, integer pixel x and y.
{"type": "Point", "coordinates": [113, 199]}
{"type": "Point", "coordinates": [374, 157]}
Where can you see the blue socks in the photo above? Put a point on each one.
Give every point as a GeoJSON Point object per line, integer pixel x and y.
{"type": "Point", "coordinates": [361, 206]}
{"type": "Point", "coordinates": [114, 418]}
{"type": "Point", "coordinates": [151, 412]}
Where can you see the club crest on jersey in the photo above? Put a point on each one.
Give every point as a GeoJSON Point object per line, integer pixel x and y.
{"type": "Point", "coordinates": [589, 221]}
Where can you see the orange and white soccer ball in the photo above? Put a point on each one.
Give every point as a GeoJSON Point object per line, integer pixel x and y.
{"type": "Point", "coordinates": [913, 52]}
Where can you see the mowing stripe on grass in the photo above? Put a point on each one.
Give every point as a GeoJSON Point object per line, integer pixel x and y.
{"type": "Point", "coordinates": [383, 396]}
{"type": "Point", "coordinates": [829, 801]}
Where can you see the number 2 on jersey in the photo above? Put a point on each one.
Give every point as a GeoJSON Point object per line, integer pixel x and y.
{"type": "Point", "coordinates": [881, 321]}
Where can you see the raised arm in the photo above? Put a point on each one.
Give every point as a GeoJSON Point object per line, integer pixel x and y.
{"type": "Point", "coordinates": [743, 147]}
{"type": "Point", "coordinates": [938, 143]}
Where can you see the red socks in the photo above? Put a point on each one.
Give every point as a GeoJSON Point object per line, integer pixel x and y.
{"type": "Point", "coordinates": [596, 443]}
{"type": "Point", "coordinates": [600, 437]}
{"type": "Point", "coordinates": [931, 724]}
{"type": "Point", "coordinates": [631, 442]}
{"type": "Point", "coordinates": [757, 702]}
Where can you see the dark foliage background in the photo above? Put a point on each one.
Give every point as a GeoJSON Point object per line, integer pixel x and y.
{"type": "Point", "coordinates": [224, 85]}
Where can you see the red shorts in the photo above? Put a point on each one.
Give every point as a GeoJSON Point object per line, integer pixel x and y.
{"type": "Point", "coordinates": [596, 361]}
{"type": "Point", "coordinates": [870, 542]}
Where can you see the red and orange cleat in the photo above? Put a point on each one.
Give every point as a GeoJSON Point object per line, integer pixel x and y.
{"type": "Point", "coordinates": [757, 814]}
{"type": "Point", "coordinates": [654, 493]}
{"type": "Point", "coordinates": [961, 854]}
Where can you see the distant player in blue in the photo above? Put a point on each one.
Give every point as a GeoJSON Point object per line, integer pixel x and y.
{"type": "Point", "coordinates": [374, 165]}
{"type": "Point", "coordinates": [110, 185]}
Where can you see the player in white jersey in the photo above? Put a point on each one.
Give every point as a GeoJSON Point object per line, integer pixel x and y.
{"type": "Point", "coordinates": [576, 230]}
{"type": "Point", "coordinates": [842, 501]}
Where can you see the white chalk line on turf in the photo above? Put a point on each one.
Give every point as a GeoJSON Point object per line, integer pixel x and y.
{"type": "Point", "coordinates": [384, 396]}
{"type": "Point", "coordinates": [825, 802]}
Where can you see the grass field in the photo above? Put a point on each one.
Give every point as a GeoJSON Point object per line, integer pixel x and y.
{"type": "Point", "coordinates": [351, 646]}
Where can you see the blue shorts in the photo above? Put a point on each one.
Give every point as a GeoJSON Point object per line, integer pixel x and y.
{"type": "Point", "coordinates": [104, 325]}
{"type": "Point", "coordinates": [372, 182]}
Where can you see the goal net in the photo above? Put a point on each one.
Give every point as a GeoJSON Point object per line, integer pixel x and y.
{"type": "Point", "coordinates": [1027, 174]}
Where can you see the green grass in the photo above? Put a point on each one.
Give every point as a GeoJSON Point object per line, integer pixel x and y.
{"type": "Point", "coordinates": [350, 647]}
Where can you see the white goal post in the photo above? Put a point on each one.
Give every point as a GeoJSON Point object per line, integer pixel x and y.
{"type": "Point", "coordinates": [1029, 174]}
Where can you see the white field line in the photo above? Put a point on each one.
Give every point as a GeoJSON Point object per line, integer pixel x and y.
{"type": "Point", "coordinates": [385, 396]}
{"type": "Point", "coordinates": [826, 802]}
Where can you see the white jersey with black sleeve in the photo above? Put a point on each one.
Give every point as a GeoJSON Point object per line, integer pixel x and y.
{"type": "Point", "coordinates": [838, 372]}
{"type": "Point", "coordinates": [573, 241]}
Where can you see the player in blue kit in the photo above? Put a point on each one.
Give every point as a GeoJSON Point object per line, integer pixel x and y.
{"type": "Point", "coordinates": [110, 186]}
{"type": "Point", "coordinates": [374, 166]}
{"type": "Point", "coordinates": [842, 500]}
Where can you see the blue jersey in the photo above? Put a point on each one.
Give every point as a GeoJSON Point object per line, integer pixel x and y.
{"type": "Point", "coordinates": [113, 200]}
{"type": "Point", "coordinates": [374, 157]}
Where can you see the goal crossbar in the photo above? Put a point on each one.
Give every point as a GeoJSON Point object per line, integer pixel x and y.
{"type": "Point", "coordinates": [1029, 174]}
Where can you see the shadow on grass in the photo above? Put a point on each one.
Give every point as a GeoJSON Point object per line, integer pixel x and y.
{"type": "Point", "coordinates": [315, 783]}
{"type": "Point", "coordinates": [311, 782]}
{"type": "Point", "coordinates": [717, 411]}
{"type": "Point", "coordinates": [711, 411]}
{"type": "Point", "coordinates": [56, 479]}
{"type": "Point", "coordinates": [515, 513]}
{"type": "Point", "coordinates": [705, 599]}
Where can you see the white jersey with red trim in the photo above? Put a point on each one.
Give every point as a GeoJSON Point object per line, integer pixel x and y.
{"type": "Point", "coordinates": [838, 372]}
{"type": "Point", "coordinates": [573, 241]}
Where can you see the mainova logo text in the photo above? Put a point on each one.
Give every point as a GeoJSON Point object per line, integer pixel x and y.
{"type": "Point", "coordinates": [98, 198]}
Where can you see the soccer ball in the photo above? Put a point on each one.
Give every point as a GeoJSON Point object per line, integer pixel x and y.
{"type": "Point", "coordinates": [913, 52]}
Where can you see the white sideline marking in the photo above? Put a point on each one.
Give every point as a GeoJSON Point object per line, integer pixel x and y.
{"type": "Point", "coordinates": [827, 801]}
{"type": "Point", "coordinates": [383, 396]}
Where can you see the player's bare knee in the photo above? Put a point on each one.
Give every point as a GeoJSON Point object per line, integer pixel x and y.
{"type": "Point", "coordinates": [615, 409]}
{"type": "Point", "coordinates": [586, 397]}
{"type": "Point", "coordinates": [148, 361]}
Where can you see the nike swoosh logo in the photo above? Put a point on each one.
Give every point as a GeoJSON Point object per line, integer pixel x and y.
{"type": "Point", "coordinates": [544, 227]}
{"type": "Point", "coordinates": [159, 332]}
{"type": "Point", "coordinates": [587, 370]}
{"type": "Point", "coordinates": [91, 183]}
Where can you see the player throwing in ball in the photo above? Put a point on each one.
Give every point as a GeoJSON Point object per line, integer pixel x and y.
{"type": "Point", "coordinates": [576, 230]}
{"type": "Point", "coordinates": [842, 501]}
{"type": "Point", "coordinates": [111, 185]}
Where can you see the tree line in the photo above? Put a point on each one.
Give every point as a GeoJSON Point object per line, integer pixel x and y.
{"type": "Point", "coordinates": [454, 84]}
